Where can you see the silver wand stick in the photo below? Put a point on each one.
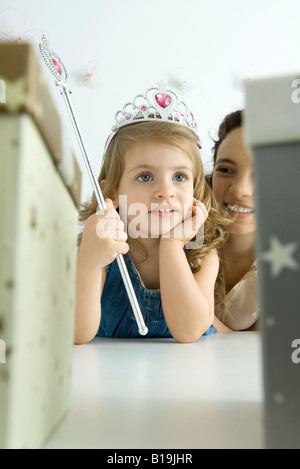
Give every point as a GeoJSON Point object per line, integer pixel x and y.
{"type": "Point", "coordinates": [58, 69]}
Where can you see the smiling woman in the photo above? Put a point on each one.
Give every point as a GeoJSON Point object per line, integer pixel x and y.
{"type": "Point", "coordinates": [232, 182]}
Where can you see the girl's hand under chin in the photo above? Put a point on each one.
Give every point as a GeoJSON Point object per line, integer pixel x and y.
{"type": "Point", "coordinates": [185, 231]}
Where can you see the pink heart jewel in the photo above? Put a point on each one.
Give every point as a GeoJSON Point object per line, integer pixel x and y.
{"type": "Point", "coordinates": [163, 100]}
{"type": "Point", "coordinates": [57, 66]}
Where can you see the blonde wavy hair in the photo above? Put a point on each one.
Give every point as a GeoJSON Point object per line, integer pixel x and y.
{"type": "Point", "coordinates": [174, 135]}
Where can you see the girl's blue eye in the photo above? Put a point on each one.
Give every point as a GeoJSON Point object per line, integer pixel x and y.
{"type": "Point", "coordinates": [180, 177]}
{"type": "Point", "coordinates": [145, 177]}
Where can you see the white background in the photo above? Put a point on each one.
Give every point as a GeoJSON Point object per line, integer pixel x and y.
{"type": "Point", "coordinates": [138, 42]}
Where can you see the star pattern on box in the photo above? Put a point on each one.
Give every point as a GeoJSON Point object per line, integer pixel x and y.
{"type": "Point", "coordinates": [280, 256]}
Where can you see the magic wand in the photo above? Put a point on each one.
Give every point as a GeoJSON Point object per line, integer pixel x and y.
{"type": "Point", "coordinates": [58, 70]}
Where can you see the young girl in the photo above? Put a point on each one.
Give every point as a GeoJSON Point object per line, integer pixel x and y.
{"type": "Point", "coordinates": [232, 183]}
{"type": "Point", "coordinates": [151, 161]}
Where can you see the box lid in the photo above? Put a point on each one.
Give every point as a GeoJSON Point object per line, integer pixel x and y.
{"type": "Point", "coordinates": [272, 111]}
{"type": "Point", "coordinates": [23, 89]}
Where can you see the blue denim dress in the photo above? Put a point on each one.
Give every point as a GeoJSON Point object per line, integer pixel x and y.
{"type": "Point", "coordinates": [117, 318]}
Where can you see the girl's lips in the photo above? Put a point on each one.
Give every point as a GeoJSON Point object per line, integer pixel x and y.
{"type": "Point", "coordinates": [163, 213]}
{"type": "Point", "coordinates": [164, 210]}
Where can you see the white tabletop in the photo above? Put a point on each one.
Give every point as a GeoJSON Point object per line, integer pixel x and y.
{"type": "Point", "coordinates": [156, 393]}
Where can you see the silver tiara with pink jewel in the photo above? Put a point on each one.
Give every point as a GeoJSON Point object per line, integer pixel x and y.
{"type": "Point", "coordinates": [159, 103]}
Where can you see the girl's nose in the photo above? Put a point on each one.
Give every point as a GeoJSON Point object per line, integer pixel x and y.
{"type": "Point", "coordinates": [164, 191]}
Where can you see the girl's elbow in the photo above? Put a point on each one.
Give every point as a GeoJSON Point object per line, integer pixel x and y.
{"type": "Point", "coordinates": [188, 337]}
{"type": "Point", "coordinates": [83, 337]}
{"type": "Point", "coordinates": [186, 340]}
{"type": "Point", "coordinates": [81, 341]}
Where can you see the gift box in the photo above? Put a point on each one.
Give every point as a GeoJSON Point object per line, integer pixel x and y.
{"type": "Point", "coordinates": [38, 217]}
{"type": "Point", "coordinates": [272, 130]}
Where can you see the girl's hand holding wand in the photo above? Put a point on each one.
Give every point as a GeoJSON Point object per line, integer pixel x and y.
{"type": "Point", "coordinates": [103, 237]}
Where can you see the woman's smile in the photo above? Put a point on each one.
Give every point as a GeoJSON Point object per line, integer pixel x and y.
{"type": "Point", "coordinates": [242, 210]}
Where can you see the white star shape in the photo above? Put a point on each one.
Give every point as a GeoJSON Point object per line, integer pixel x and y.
{"type": "Point", "coordinates": [280, 256]}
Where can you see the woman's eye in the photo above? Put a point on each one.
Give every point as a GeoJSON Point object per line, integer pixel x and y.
{"type": "Point", "coordinates": [145, 177]}
{"type": "Point", "coordinates": [180, 177]}
{"type": "Point", "coordinates": [221, 169]}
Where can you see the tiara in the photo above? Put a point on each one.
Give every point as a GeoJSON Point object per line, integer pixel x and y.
{"type": "Point", "coordinates": [159, 103]}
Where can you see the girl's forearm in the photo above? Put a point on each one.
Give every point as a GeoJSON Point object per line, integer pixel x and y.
{"type": "Point", "coordinates": [185, 306]}
{"type": "Point", "coordinates": [89, 282]}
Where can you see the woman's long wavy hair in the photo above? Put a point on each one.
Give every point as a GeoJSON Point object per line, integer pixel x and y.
{"type": "Point", "coordinates": [170, 134]}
